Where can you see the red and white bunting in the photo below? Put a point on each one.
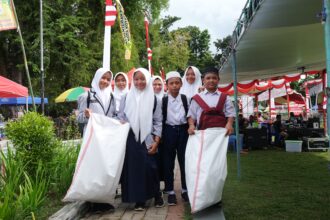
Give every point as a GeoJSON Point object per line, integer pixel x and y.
{"type": "Point", "coordinates": [110, 15]}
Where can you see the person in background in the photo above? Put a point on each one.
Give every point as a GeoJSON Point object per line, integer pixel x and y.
{"type": "Point", "coordinates": [121, 87]}
{"type": "Point", "coordinates": [158, 85]}
{"type": "Point", "coordinates": [280, 131]}
{"type": "Point", "coordinates": [260, 118]}
{"type": "Point", "coordinates": [191, 82]}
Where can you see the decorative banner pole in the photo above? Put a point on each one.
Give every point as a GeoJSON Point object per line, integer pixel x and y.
{"type": "Point", "coordinates": [110, 18]}
{"type": "Point", "coordinates": [149, 51]}
{"type": "Point", "coordinates": [24, 57]}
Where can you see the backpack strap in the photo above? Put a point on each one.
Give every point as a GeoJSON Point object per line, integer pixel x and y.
{"type": "Point", "coordinates": [164, 108]}
{"type": "Point", "coordinates": [185, 103]}
{"type": "Point", "coordinates": [88, 99]}
{"type": "Point", "coordinates": [201, 102]}
{"type": "Point", "coordinates": [111, 95]}
{"type": "Point", "coordinates": [221, 102]}
{"type": "Point", "coordinates": [155, 105]}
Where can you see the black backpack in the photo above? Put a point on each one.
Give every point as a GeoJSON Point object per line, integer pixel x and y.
{"type": "Point", "coordinates": [165, 104]}
{"type": "Point", "coordinates": [89, 101]}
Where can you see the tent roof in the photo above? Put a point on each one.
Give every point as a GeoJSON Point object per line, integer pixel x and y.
{"type": "Point", "coordinates": [281, 37]}
{"type": "Point", "coordinates": [21, 101]}
{"type": "Point", "coordinates": [10, 89]}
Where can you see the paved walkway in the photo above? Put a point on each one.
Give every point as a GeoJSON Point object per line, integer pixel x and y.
{"type": "Point", "coordinates": [126, 211]}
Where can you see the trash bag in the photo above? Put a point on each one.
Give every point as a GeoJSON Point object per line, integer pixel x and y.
{"type": "Point", "coordinates": [100, 161]}
{"type": "Point", "coordinates": [206, 167]}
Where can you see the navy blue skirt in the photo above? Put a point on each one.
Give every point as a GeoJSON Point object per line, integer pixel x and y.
{"type": "Point", "coordinates": [139, 180]}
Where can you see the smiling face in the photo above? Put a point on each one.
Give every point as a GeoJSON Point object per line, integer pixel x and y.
{"type": "Point", "coordinates": [157, 84]}
{"type": "Point", "coordinates": [105, 80]}
{"type": "Point", "coordinates": [190, 76]}
{"type": "Point", "coordinates": [139, 80]}
{"type": "Point", "coordinates": [211, 81]}
{"type": "Point", "coordinates": [120, 82]}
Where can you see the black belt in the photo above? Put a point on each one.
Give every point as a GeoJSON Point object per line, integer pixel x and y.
{"type": "Point", "coordinates": [177, 126]}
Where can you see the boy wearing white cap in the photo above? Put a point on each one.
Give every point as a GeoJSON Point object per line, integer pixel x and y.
{"type": "Point", "coordinates": [175, 134]}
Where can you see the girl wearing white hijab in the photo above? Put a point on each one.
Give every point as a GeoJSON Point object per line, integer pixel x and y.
{"type": "Point", "coordinates": [191, 82]}
{"type": "Point", "coordinates": [141, 109]}
{"type": "Point", "coordinates": [158, 85]}
{"type": "Point", "coordinates": [121, 87]}
{"type": "Point", "coordinates": [98, 100]}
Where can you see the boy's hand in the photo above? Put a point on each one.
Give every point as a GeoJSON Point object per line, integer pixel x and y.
{"type": "Point", "coordinates": [230, 129]}
{"type": "Point", "coordinates": [153, 148]}
{"type": "Point", "coordinates": [191, 129]}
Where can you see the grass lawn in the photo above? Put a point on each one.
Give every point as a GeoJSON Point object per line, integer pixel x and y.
{"type": "Point", "coordinates": [278, 185]}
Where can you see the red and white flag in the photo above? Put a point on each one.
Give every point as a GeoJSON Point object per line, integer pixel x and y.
{"type": "Point", "coordinates": [110, 13]}
{"type": "Point", "coordinates": [149, 51]}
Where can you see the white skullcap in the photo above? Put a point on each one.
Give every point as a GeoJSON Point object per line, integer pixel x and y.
{"type": "Point", "coordinates": [172, 74]}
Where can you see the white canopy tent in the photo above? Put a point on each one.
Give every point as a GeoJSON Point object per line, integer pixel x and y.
{"type": "Point", "coordinates": [283, 36]}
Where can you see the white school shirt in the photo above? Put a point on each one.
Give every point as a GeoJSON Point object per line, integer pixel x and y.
{"type": "Point", "coordinates": [176, 114]}
{"type": "Point", "coordinates": [211, 99]}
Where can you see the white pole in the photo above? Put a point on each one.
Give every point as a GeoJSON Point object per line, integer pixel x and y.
{"type": "Point", "coordinates": [42, 60]}
{"type": "Point", "coordinates": [107, 47]}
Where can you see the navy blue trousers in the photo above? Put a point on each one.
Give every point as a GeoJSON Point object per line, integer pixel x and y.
{"type": "Point", "coordinates": [139, 180]}
{"type": "Point", "coordinates": [174, 142]}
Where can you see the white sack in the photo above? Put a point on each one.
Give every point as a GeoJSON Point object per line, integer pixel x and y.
{"type": "Point", "coordinates": [206, 167]}
{"type": "Point", "coordinates": [100, 160]}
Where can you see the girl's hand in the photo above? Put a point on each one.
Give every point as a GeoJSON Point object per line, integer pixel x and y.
{"type": "Point", "coordinates": [88, 112]}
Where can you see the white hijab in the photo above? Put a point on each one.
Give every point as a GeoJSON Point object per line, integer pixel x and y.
{"type": "Point", "coordinates": [104, 94]}
{"type": "Point", "coordinates": [139, 107]}
{"type": "Point", "coordinates": [191, 89]}
{"type": "Point", "coordinates": [120, 93]}
{"type": "Point", "coordinates": [161, 93]}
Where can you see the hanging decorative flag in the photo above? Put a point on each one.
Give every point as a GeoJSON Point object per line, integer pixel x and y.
{"type": "Point", "coordinates": [110, 14]}
{"type": "Point", "coordinates": [125, 30]}
{"type": "Point", "coordinates": [7, 18]}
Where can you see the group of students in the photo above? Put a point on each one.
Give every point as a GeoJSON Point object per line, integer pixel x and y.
{"type": "Point", "coordinates": [160, 124]}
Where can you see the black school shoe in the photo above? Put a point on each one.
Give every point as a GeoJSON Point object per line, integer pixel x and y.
{"type": "Point", "coordinates": [100, 207]}
{"type": "Point", "coordinates": [185, 197]}
{"type": "Point", "coordinates": [159, 201]}
{"type": "Point", "coordinates": [139, 206]}
{"type": "Point", "coordinates": [171, 199]}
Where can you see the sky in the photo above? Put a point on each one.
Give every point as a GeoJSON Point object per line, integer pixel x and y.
{"type": "Point", "coordinates": [219, 17]}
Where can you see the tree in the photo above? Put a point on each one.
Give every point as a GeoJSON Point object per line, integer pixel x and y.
{"type": "Point", "coordinates": [221, 45]}
{"type": "Point", "coordinates": [174, 53]}
{"type": "Point", "coordinates": [73, 41]}
{"type": "Point", "coordinates": [198, 42]}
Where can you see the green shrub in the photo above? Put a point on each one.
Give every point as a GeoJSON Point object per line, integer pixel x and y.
{"type": "Point", "coordinates": [20, 194]}
{"type": "Point", "coordinates": [33, 138]}
{"type": "Point", "coordinates": [9, 185]}
{"type": "Point", "coordinates": [33, 192]}
{"type": "Point", "coordinates": [64, 164]}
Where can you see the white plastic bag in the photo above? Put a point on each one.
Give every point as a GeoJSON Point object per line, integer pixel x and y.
{"type": "Point", "coordinates": [206, 167]}
{"type": "Point", "coordinates": [100, 161]}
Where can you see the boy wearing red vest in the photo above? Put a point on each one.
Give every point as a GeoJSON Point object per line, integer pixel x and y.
{"type": "Point", "coordinates": [211, 108]}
